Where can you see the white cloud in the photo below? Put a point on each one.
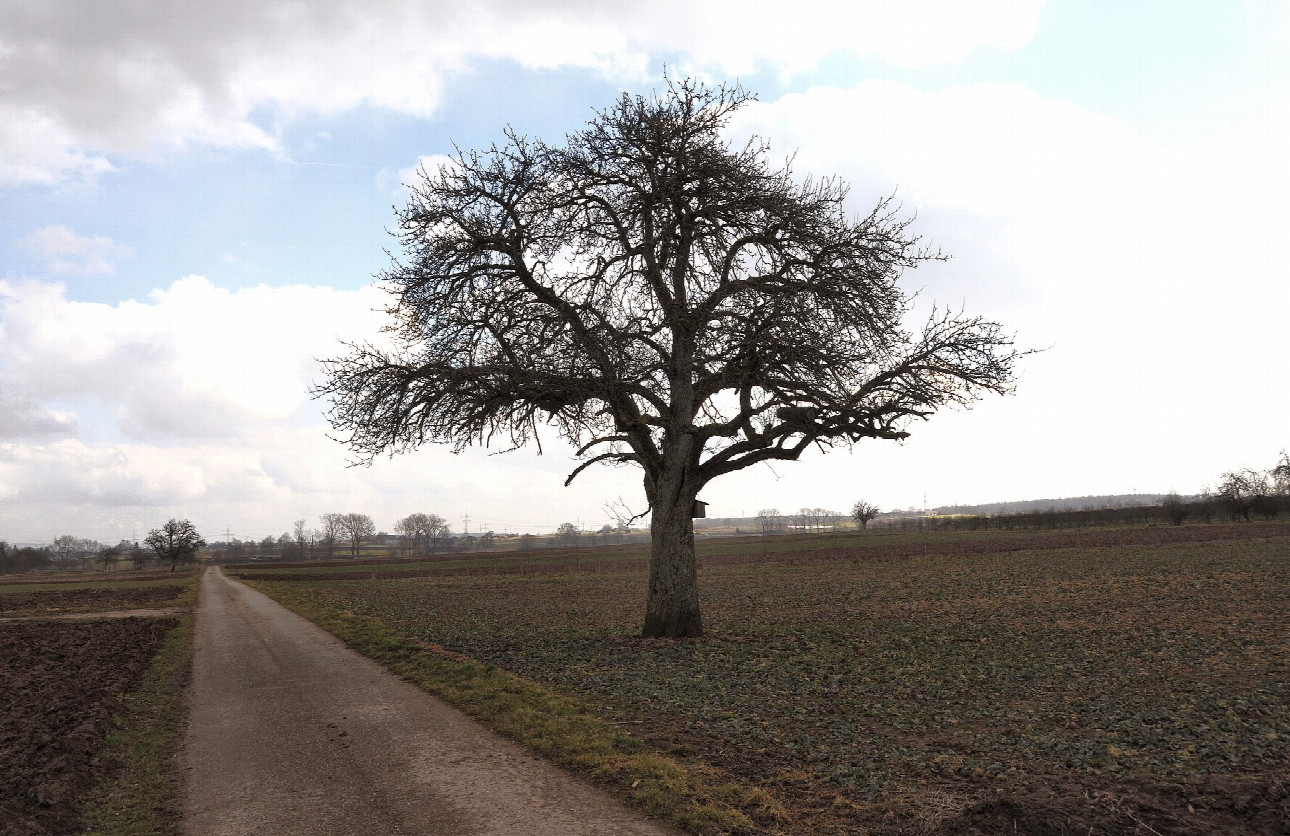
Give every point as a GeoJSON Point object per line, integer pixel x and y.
{"type": "Point", "coordinates": [194, 403]}
{"type": "Point", "coordinates": [41, 149]}
{"type": "Point", "coordinates": [87, 82]}
{"type": "Point", "coordinates": [196, 361]}
{"type": "Point", "coordinates": [1097, 215]}
{"type": "Point", "coordinates": [22, 417]}
{"type": "Point", "coordinates": [63, 251]}
{"type": "Point", "coordinates": [735, 37]}
{"type": "Point", "coordinates": [1152, 270]}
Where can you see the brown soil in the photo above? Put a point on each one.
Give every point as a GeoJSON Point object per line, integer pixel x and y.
{"type": "Point", "coordinates": [54, 601]}
{"type": "Point", "coordinates": [1038, 805]}
{"type": "Point", "coordinates": [84, 576]}
{"type": "Point", "coordinates": [1227, 805]}
{"type": "Point", "coordinates": [60, 684]}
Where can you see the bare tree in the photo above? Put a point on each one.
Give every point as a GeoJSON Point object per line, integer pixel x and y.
{"type": "Point", "coordinates": [662, 299]}
{"type": "Point", "coordinates": [330, 532]}
{"type": "Point", "coordinates": [1240, 492]}
{"type": "Point", "coordinates": [424, 531]}
{"type": "Point", "coordinates": [437, 531]}
{"type": "Point", "coordinates": [303, 538]}
{"type": "Point", "coordinates": [108, 556]}
{"type": "Point", "coordinates": [1281, 475]}
{"type": "Point", "coordinates": [356, 527]}
{"type": "Point", "coordinates": [175, 542]}
{"type": "Point", "coordinates": [1279, 478]}
{"type": "Point", "coordinates": [289, 548]}
{"type": "Point", "coordinates": [769, 521]}
{"type": "Point", "coordinates": [862, 512]}
{"type": "Point", "coordinates": [568, 535]}
{"type": "Point", "coordinates": [67, 549]}
{"type": "Point", "coordinates": [409, 529]}
{"type": "Point", "coordinates": [1175, 508]}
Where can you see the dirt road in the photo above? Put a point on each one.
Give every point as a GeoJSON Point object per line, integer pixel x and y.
{"type": "Point", "coordinates": [104, 615]}
{"type": "Point", "coordinates": [291, 732]}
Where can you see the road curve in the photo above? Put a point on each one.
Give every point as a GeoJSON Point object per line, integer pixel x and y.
{"type": "Point", "coordinates": [291, 732]}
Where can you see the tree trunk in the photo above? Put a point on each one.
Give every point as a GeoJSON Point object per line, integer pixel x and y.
{"type": "Point", "coordinates": [672, 607]}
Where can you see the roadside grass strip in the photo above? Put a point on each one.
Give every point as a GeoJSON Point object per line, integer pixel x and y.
{"type": "Point", "coordinates": [692, 795]}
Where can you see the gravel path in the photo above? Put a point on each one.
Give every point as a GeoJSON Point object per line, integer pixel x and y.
{"type": "Point", "coordinates": [291, 732]}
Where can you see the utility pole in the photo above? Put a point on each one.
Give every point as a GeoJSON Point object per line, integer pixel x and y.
{"type": "Point", "coordinates": [465, 525]}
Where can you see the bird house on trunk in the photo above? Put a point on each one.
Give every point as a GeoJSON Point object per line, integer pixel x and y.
{"type": "Point", "coordinates": [699, 509]}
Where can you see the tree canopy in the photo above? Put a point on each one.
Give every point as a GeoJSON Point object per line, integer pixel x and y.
{"type": "Point", "coordinates": [661, 299]}
{"type": "Point", "coordinates": [175, 542]}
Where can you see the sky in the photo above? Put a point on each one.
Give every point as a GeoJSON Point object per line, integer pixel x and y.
{"type": "Point", "coordinates": [195, 199]}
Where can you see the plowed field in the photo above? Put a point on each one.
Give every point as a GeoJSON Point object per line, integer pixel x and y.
{"type": "Point", "coordinates": [56, 601]}
{"type": "Point", "coordinates": [59, 684]}
{"type": "Point", "coordinates": [1133, 681]}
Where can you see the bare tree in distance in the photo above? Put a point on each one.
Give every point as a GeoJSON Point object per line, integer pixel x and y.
{"type": "Point", "coordinates": [304, 539]}
{"type": "Point", "coordinates": [138, 556]}
{"type": "Point", "coordinates": [1175, 508]}
{"type": "Point", "coordinates": [108, 556]}
{"type": "Point", "coordinates": [409, 529]}
{"type": "Point", "coordinates": [424, 531]}
{"type": "Point", "coordinates": [67, 548]}
{"type": "Point", "coordinates": [770, 521]}
{"type": "Point", "coordinates": [175, 542]}
{"type": "Point", "coordinates": [331, 531]}
{"type": "Point", "coordinates": [661, 299]}
{"type": "Point", "coordinates": [1280, 476]}
{"type": "Point", "coordinates": [356, 528]}
{"type": "Point", "coordinates": [862, 512]}
{"type": "Point", "coordinates": [1240, 492]}
{"type": "Point", "coordinates": [568, 534]}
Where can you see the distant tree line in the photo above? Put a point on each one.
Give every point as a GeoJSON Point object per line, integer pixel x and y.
{"type": "Point", "coordinates": [25, 559]}
{"type": "Point", "coordinates": [805, 521]}
{"type": "Point", "coordinates": [568, 535]}
{"type": "Point", "coordinates": [1050, 519]}
{"type": "Point", "coordinates": [416, 535]}
{"type": "Point", "coordinates": [170, 545]}
{"type": "Point", "coordinates": [336, 533]}
{"type": "Point", "coordinates": [1239, 495]}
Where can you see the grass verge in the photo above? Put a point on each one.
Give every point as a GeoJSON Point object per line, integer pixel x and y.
{"type": "Point", "coordinates": [691, 795]}
{"type": "Point", "coordinates": [141, 797]}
